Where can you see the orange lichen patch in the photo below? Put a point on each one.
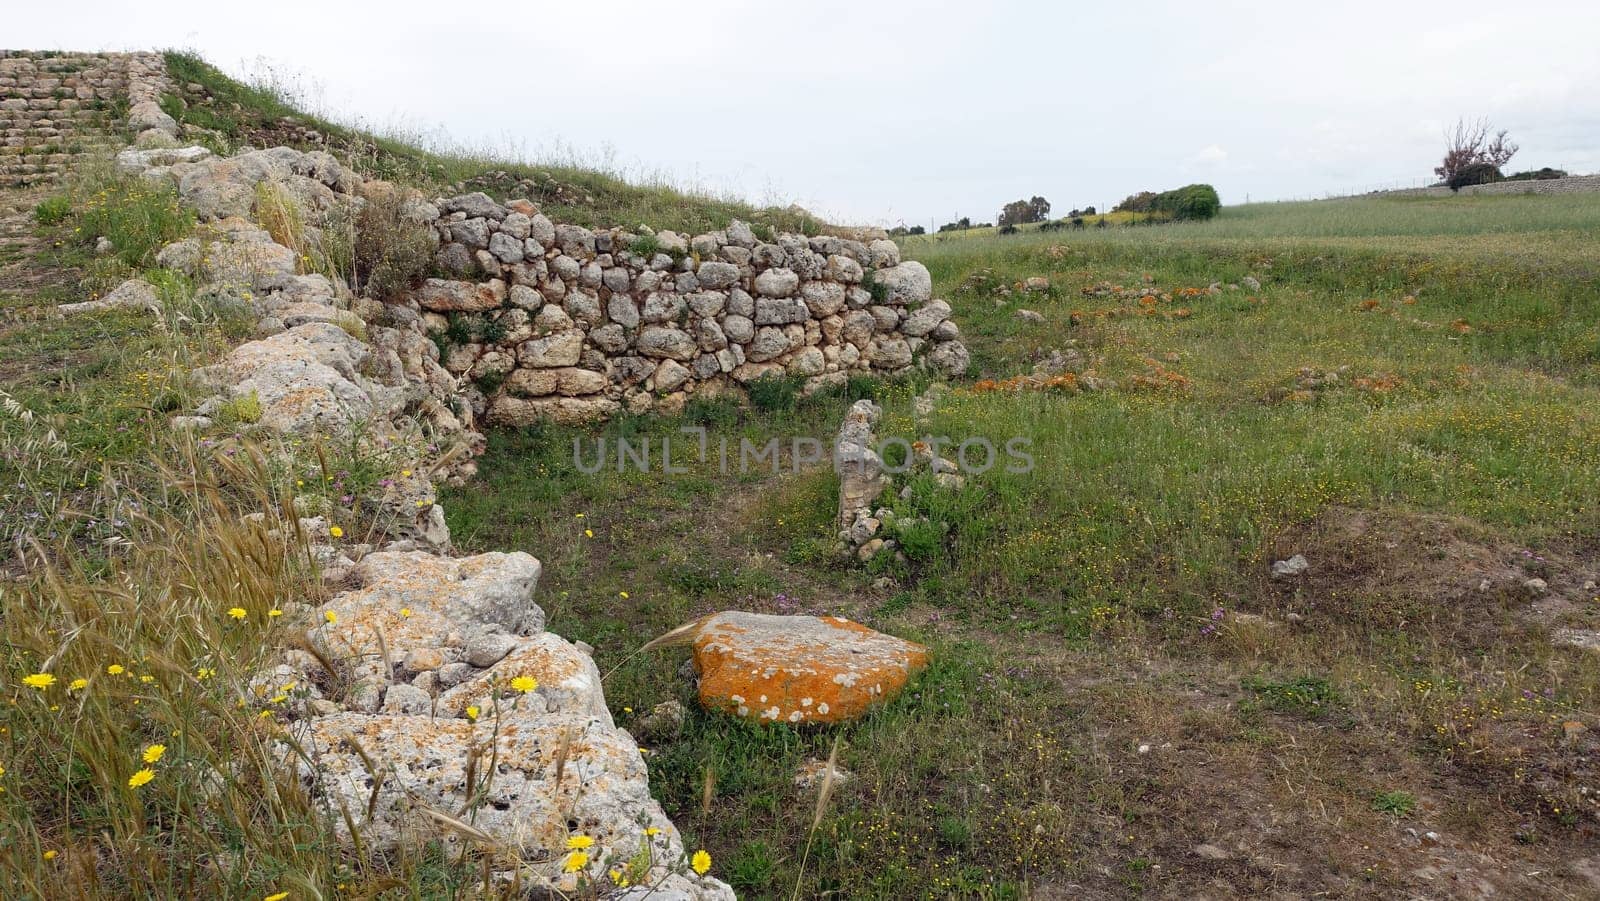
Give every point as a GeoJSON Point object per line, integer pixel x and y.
{"type": "Point", "coordinates": [1066, 381]}
{"type": "Point", "coordinates": [1377, 384]}
{"type": "Point", "coordinates": [1158, 378]}
{"type": "Point", "coordinates": [799, 669]}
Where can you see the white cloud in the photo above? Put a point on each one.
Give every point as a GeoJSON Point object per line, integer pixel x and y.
{"type": "Point", "coordinates": [1211, 155]}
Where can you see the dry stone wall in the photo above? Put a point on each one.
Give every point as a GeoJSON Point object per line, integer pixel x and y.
{"type": "Point", "coordinates": [57, 109]}
{"type": "Point", "coordinates": [1577, 184]}
{"type": "Point", "coordinates": [558, 321]}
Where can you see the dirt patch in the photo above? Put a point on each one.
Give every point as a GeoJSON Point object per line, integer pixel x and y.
{"type": "Point", "coordinates": [1447, 576]}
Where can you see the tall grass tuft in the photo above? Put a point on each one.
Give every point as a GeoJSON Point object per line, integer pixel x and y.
{"type": "Point", "coordinates": [138, 757]}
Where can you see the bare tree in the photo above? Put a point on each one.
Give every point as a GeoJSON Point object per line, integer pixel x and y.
{"type": "Point", "coordinates": [1469, 144]}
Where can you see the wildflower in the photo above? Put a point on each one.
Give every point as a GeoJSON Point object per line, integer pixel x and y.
{"type": "Point", "coordinates": [576, 861]}
{"type": "Point", "coordinates": [237, 612]}
{"type": "Point", "coordinates": [623, 595]}
{"type": "Point", "coordinates": [331, 617]}
{"type": "Point", "coordinates": [154, 752]}
{"type": "Point", "coordinates": [652, 831]}
{"type": "Point", "coordinates": [203, 673]}
{"type": "Point", "coordinates": [701, 862]}
{"type": "Point", "coordinates": [618, 878]}
{"type": "Point", "coordinates": [524, 684]}
{"type": "Point", "coordinates": [78, 684]}
{"type": "Point", "coordinates": [588, 533]}
{"type": "Point", "coordinates": [274, 613]}
{"type": "Point", "coordinates": [279, 896]}
{"type": "Point", "coordinates": [405, 611]}
{"type": "Point", "coordinates": [141, 777]}
{"type": "Point", "coordinates": [115, 669]}
{"type": "Point", "coordinates": [40, 681]}
{"type": "Point", "coordinates": [336, 532]}
{"type": "Point", "coordinates": [405, 473]}
{"type": "Point", "coordinates": [51, 854]}
{"type": "Point", "coordinates": [579, 842]}
{"type": "Point", "coordinates": [472, 713]}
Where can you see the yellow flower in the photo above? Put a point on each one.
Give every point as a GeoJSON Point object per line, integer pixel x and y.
{"type": "Point", "coordinates": [51, 854]}
{"type": "Point", "coordinates": [237, 612]}
{"type": "Point", "coordinates": [576, 861]}
{"type": "Point", "coordinates": [274, 613]}
{"type": "Point", "coordinates": [40, 681]}
{"type": "Point", "coordinates": [331, 617]}
{"type": "Point", "coordinates": [115, 669]}
{"type": "Point", "coordinates": [276, 897]}
{"type": "Point", "coordinates": [524, 684]}
{"type": "Point", "coordinates": [405, 473]}
{"type": "Point", "coordinates": [147, 679]}
{"type": "Point", "coordinates": [336, 532]}
{"type": "Point", "coordinates": [701, 862]}
{"type": "Point", "coordinates": [154, 752]}
{"type": "Point", "coordinates": [618, 878]}
{"type": "Point", "coordinates": [579, 842]}
{"type": "Point", "coordinates": [141, 777]}
{"type": "Point", "coordinates": [652, 831]}
{"type": "Point", "coordinates": [577, 516]}
{"type": "Point", "coordinates": [78, 684]}
{"type": "Point", "coordinates": [472, 713]}
{"type": "Point", "coordinates": [588, 533]}
{"type": "Point", "coordinates": [405, 611]}
{"type": "Point", "coordinates": [623, 595]}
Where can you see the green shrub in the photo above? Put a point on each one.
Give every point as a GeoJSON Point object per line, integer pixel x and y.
{"type": "Point", "coordinates": [1189, 202]}
{"type": "Point", "coordinates": [1398, 803]}
{"type": "Point", "coordinates": [1475, 174]}
{"type": "Point", "coordinates": [53, 210]}
{"type": "Point", "coordinates": [645, 246]}
{"type": "Point", "coordinates": [391, 253]}
{"type": "Point", "coordinates": [1308, 696]}
{"type": "Point", "coordinates": [712, 412]}
{"type": "Point", "coordinates": [1544, 174]}
{"type": "Point", "coordinates": [244, 409]}
{"type": "Point", "coordinates": [775, 393]}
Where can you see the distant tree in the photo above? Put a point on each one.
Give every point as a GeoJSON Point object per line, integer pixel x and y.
{"type": "Point", "coordinates": [962, 224]}
{"type": "Point", "coordinates": [1469, 144]}
{"type": "Point", "coordinates": [1141, 202]}
{"type": "Point", "coordinates": [917, 230]}
{"type": "Point", "coordinates": [1019, 212]}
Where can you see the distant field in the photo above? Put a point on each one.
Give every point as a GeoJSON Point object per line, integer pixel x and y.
{"type": "Point", "coordinates": [1535, 231]}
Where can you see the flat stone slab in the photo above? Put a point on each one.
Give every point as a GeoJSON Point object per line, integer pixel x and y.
{"type": "Point", "coordinates": [799, 669]}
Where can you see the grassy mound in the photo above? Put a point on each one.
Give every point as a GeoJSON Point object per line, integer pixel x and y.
{"type": "Point", "coordinates": [225, 113]}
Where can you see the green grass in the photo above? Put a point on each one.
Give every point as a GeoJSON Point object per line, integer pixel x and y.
{"type": "Point", "coordinates": [1098, 605]}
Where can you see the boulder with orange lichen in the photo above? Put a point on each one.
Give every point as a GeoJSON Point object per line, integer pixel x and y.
{"type": "Point", "coordinates": [799, 669]}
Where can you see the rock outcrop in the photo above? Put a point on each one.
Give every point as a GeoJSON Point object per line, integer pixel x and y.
{"type": "Point", "coordinates": [455, 705]}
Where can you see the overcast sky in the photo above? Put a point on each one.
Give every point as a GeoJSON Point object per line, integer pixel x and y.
{"type": "Point", "coordinates": [893, 111]}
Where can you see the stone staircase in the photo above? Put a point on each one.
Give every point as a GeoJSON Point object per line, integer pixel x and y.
{"type": "Point", "coordinates": [59, 108]}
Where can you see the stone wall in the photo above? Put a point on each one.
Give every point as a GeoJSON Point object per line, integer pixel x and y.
{"type": "Point", "coordinates": [558, 321]}
{"type": "Point", "coordinates": [59, 108]}
{"type": "Point", "coordinates": [1577, 184]}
